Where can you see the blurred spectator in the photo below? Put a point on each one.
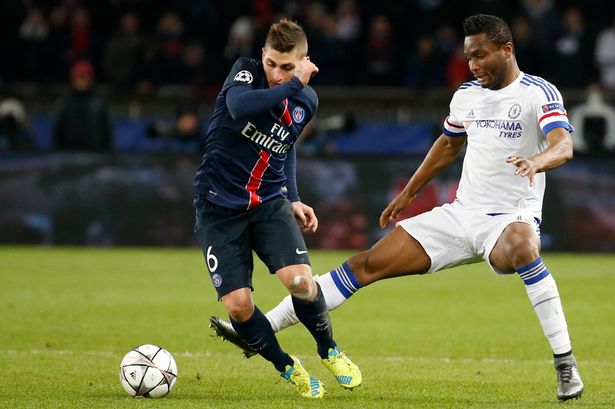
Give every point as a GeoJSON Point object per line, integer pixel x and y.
{"type": "Point", "coordinates": [81, 35]}
{"type": "Point", "coordinates": [14, 127]}
{"type": "Point", "coordinates": [605, 56]}
{"type": "Point", "coordinates": [168, 64]}
{"type": "Point", "coordinates": [33, 34]}
{"type": "Point", "coordinates": [526, 51]}
{"type": "Point", "coordinates": [123, 52]}
{"type": "Point", "coordinates": [426, 66]}
{"type": "Point", "coordinates": [544, 24]}
{"type": "Point", "coordinates": [184, 135]}
{"type": "Point", "coordinates": [381, 62]}
{"type": "Point", "coordinates": [58, 44]}
{"type": "Point", "coordinates": [353, 41]}
{"type": "Point", "coordinates": [82, 121]}
{"type": "Point", "coordinates": [594, 123]}
{"type": "Point", "coordinates": [331, 54]}
{"type": "Point", "coordinates": [348, 21]}
{"type": "Point", "coordinates": [571, 52]}
{"type": "Point", "coordinates": [240, 39]}
{"type": "Point", "coordinates": [457, 69]}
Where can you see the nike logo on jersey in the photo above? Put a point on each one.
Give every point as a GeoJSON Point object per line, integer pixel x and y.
{"type": "Point", "coordinates": [300, 251]}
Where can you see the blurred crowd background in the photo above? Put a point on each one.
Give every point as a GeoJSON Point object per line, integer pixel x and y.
{"type": "Point", "coordinates": [104, 103]}
{"type": "Point", "coordinates": [142, 75]}
{"type": "Point", "coordinates": [136, 45]}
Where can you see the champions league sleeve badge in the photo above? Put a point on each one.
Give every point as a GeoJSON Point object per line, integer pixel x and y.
{"type": "Point", "coordinates": [244, 76]}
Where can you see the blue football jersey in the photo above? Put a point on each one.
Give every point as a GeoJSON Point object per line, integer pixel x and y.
{"type": "Point", "coordinates": [244, 158]}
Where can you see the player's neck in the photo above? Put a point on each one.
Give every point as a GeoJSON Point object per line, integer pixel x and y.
{"type": "Point", "coordinates": [513, 74]}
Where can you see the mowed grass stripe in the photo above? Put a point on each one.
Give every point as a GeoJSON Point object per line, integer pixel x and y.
{"type": "Point", "coordinates": [208, 354]}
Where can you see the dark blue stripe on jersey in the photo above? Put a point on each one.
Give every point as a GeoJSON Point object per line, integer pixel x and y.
{"type": "Point", "coordinates": [469, 84]}
{"type": "Point", "coordinates": [559, 124]}
{"type": "Point", "coordinates": [453, 134]}
{"type": "Point", "coordinates": [548, 93]}
{"type": "Point", "coordinates": [549, 86]}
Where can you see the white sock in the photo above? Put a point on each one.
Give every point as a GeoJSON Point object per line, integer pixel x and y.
{"type": "Point", "coordinates": [542, 292]}
{"type": "Point", "coordinates": [337, 286]}
{"type": "Point", "coordinates": [282, 315]}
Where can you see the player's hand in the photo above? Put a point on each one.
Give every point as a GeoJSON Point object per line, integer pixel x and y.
{"type": "Point", "coordinates": [525, 167]}
{"type": "Point", "coordinates": [305, 217]}
{"type": "Point", "coordinates": [305, 70]}
{"type": "Point", "coordinates": [394, 208]}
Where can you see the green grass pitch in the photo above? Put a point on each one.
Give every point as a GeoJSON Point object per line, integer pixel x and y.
{"type": "Point", "coordinates": [458, 338]}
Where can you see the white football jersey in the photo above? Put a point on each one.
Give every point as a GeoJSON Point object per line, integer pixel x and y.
{"type": "Point", "coordinates": [511, 121]}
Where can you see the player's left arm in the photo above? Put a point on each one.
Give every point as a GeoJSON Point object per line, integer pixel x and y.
{"type": "Point", "coordinates": [557, 153]}
{"type": "Point", "coordinates": [303, 213]}
{"type": "Point", "coordinates": [305, 216]}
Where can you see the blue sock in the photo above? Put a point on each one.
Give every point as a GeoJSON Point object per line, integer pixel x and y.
{"type": "Point", "coordinates": [345, 281]}
{"type": "Point", "coordinates": [533, 272]}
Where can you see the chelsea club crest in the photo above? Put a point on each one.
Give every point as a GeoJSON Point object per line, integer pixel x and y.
{"type": "Point", "coordinates": [514, 111]}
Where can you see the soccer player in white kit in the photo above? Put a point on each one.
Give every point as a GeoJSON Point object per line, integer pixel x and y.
{"type": "Point", "coordinates": [516, 128]}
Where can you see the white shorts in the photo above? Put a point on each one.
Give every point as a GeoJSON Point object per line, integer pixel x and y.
{"type": "Point", "coordinates": [453, 235]}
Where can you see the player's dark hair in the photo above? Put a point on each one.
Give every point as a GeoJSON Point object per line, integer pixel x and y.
{"type": "Point", "coordinates": [285, 36]}
{"type": "Point", "coordinates": [496, 29]}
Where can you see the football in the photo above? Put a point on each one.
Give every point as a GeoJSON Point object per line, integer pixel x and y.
{"type": "Point", "coordinates": [149, 371]}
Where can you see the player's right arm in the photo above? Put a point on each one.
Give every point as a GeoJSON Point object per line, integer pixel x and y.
{"type": "Point", "coordinates": [243, 100]}
{"type": "Point", "coordinates": [442, 153]}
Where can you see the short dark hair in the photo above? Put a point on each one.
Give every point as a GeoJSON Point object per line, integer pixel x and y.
{"type": "Point", "coordinates": [285, 36]}
{"type": "Point", "coordinates": [496, 29]}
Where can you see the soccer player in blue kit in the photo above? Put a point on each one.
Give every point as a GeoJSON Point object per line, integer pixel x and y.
{"type": "Point", "coordinates": [515, 128]}
{"type": "Point", "coordinates": [246, 199]}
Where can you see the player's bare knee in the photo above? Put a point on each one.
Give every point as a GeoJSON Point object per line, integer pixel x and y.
{"type": "Point", "coordinates": [302, 287]}
{"type": "Point", "coordinates": [239, 309]}
{"type": "Point", "coordinates": [523, 253]}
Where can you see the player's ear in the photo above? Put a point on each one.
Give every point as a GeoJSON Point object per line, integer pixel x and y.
{"type": "Point", "coordinates": [508, 49]}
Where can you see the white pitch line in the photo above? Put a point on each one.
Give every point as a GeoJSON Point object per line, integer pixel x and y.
{"type": "Point", "coordinates": [205, 354]}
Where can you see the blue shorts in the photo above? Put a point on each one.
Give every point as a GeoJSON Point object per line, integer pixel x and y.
{"type": "Point", "coordinates": [228, 237]}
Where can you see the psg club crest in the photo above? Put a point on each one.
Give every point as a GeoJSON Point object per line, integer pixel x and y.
{"type": "Point", "coordinates": [298, 114]}
{"type": "Point", "coordinates": [514, 111]}
{"type": "Point", "coordinates": [244, 76]}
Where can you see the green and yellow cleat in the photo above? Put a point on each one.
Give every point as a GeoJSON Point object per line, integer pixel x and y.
{"type": "Point", "coordinates": [348, 375]}
{"type": "Point", "coordinates": [307, 385]}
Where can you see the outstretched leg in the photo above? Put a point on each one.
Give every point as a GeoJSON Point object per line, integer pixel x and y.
{"type": "Point", "coordinates": [396, 254]}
